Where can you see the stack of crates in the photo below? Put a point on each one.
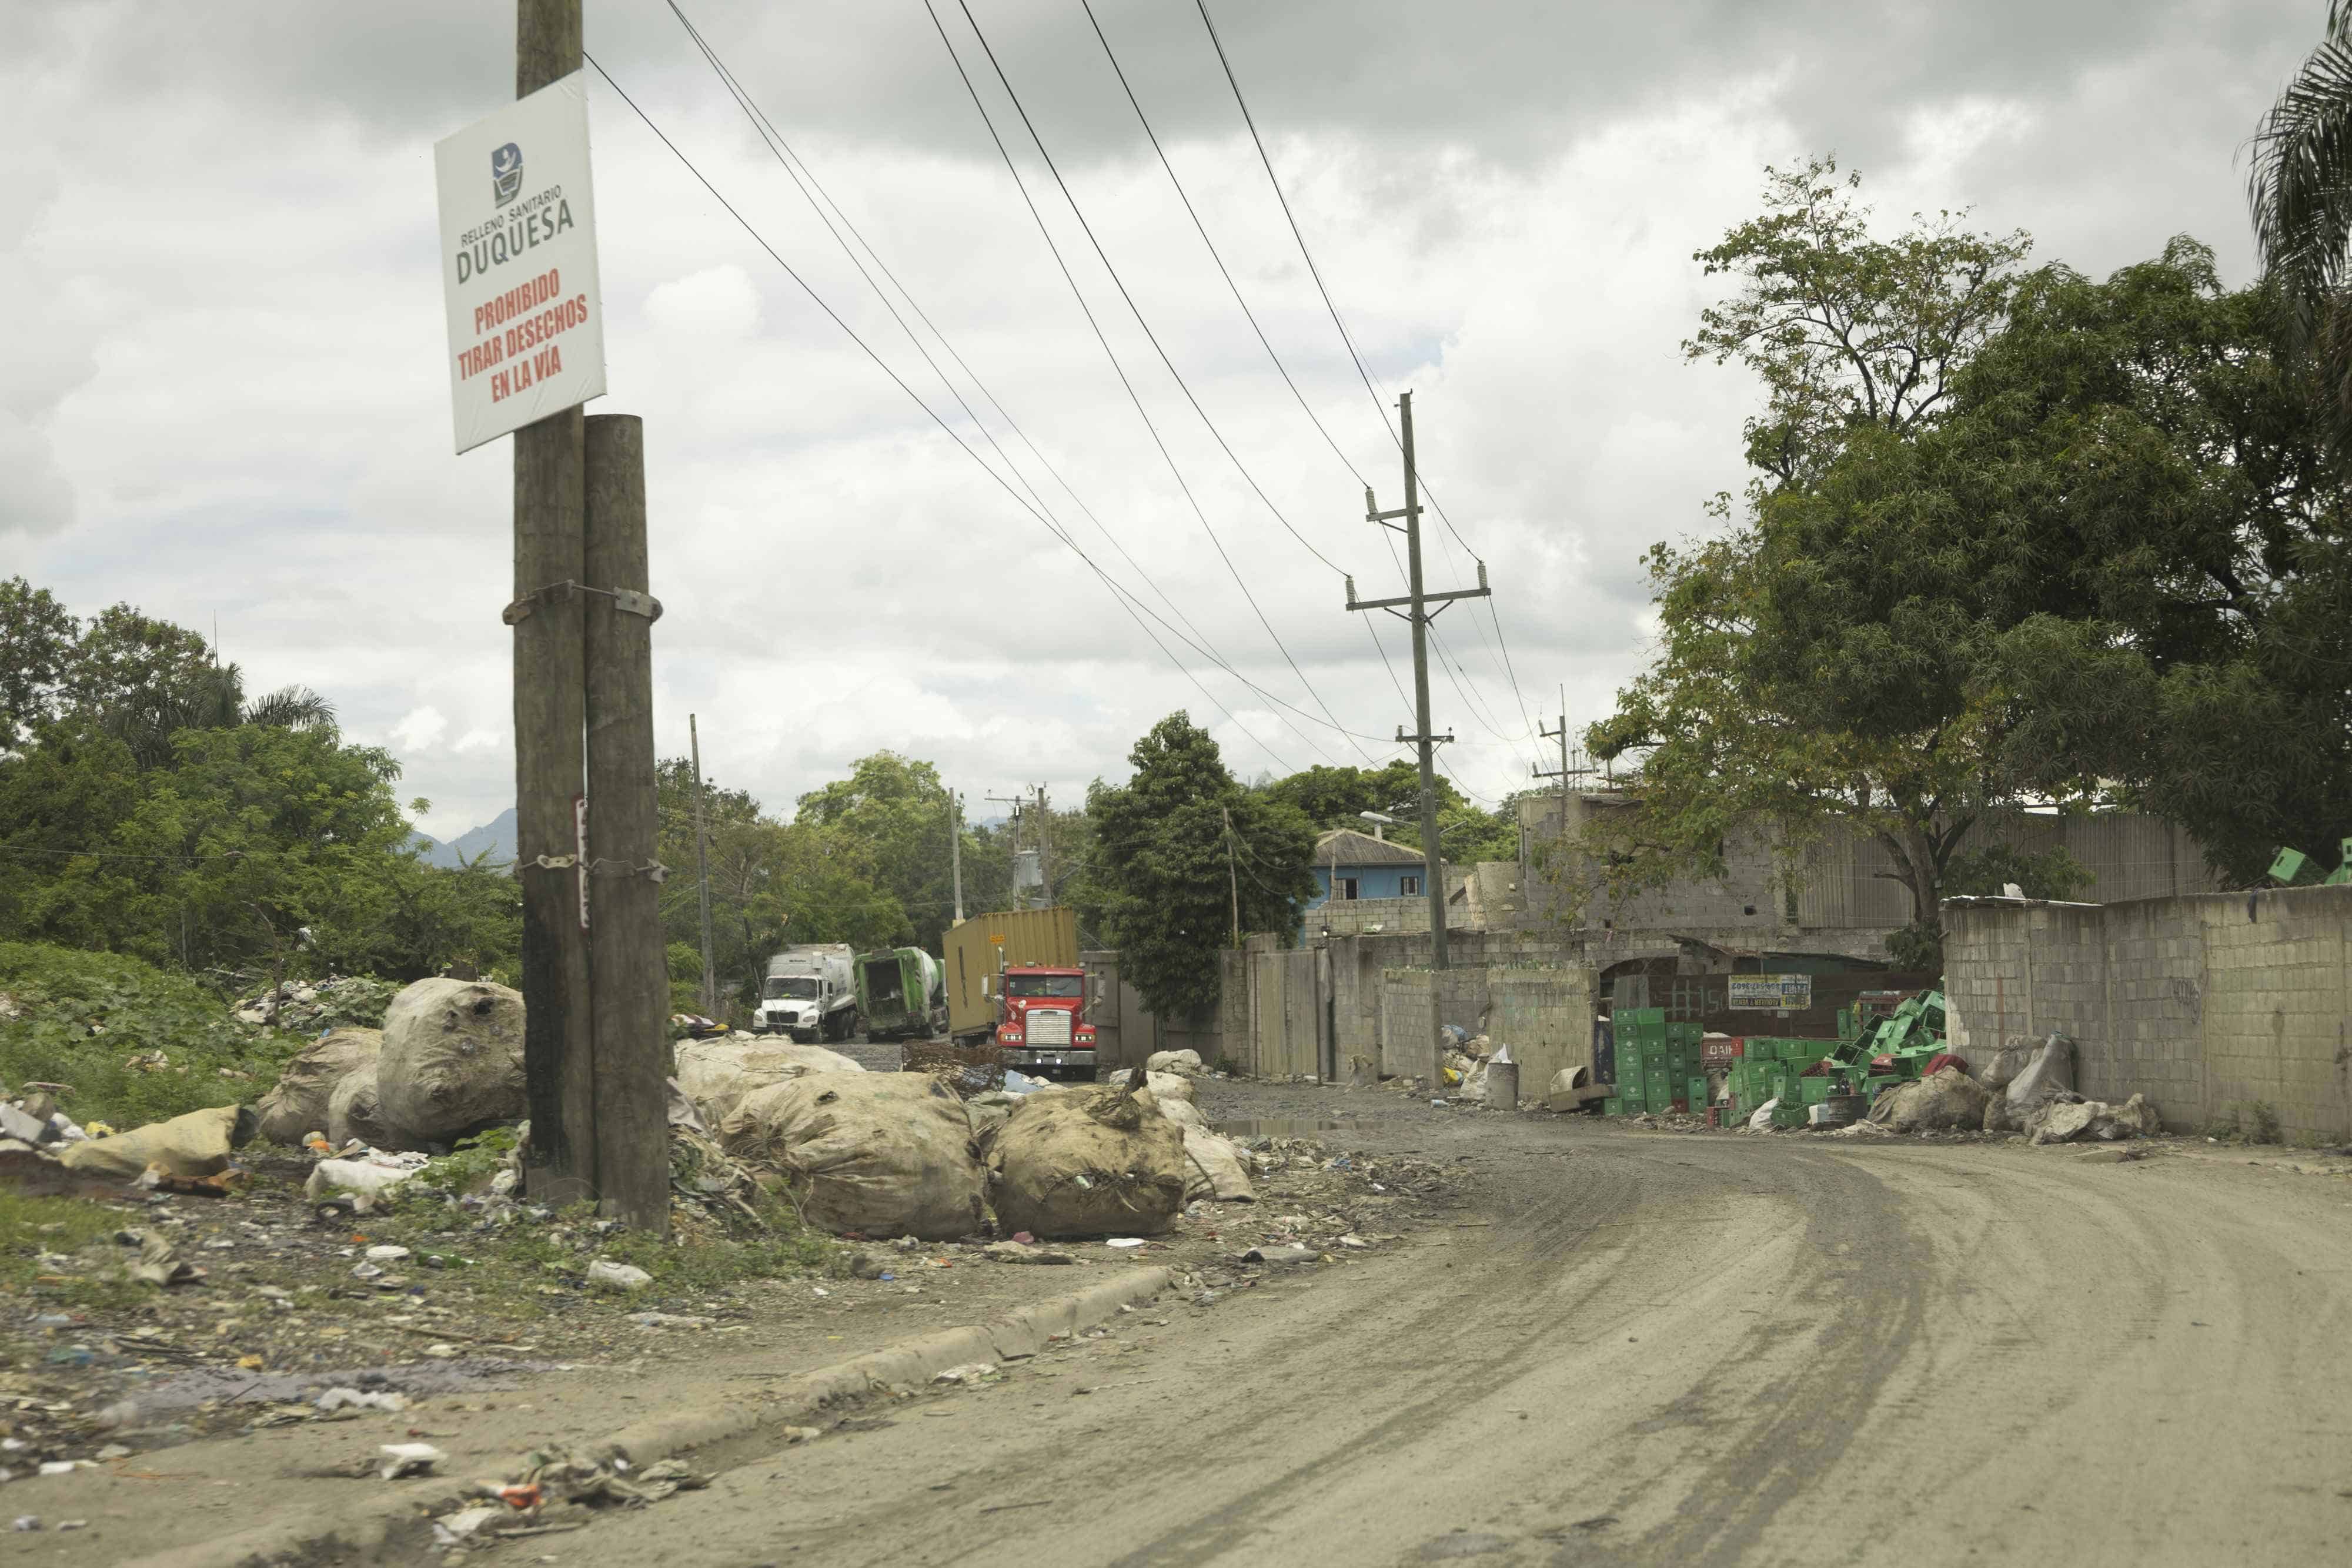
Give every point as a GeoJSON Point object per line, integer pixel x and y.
{"type": "Point", "coordinates": [1657, 1063]}
{"type": "Point", "coordinates": [1772, 1070]}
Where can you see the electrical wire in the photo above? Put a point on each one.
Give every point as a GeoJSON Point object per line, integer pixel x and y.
{"type": "Point", "coordinates": [1104, 256]}
{"type": "Point", "coordinates": [785, 157]}
{"type": "Point", "coordinates": [1127, 600]}
{"type": "Point", "coordinates": [1357, 358]}
{"type": "Point", "coordinates": [1264, 341]}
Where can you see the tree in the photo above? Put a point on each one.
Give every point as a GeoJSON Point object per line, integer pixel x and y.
{"type": "Point", "coordinates": [1163, 842]}
{"type": "Point", "coordinates": [1847, 331]}
{"type": "Point", "coordinates": [36, 646]}
{"type": "Point", "coordinates": [1819, 660]}
{"type": "Point", "coordinates": [2300, 189]}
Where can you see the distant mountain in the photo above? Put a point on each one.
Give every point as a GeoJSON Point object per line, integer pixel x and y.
{"type": "Point", "coordinates": [496, 836]}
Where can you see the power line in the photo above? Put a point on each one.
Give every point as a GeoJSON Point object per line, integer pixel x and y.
{"type": "Point", "coordinates": [1088, 229]}
{"type": "Point", "coordinates": [1364, 375]}
{"type": "Point", "coordinates": [1264, 341]}
{"type": "Point", "coordinates": [1126, 601]}
{"type": "Point", "coordinates": [782, 152]}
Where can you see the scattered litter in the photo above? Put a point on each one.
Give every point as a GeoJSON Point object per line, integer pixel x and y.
{"type": "Point", "coordinates": [451, 1529]}
{"type": "Point", "coordinates": [386, 1254]}
{"type": "Point", "coordinates": [1294, 1253]}
{"type": "Point", "coordinates": [973, 1373]}
{"type": "Point", "coordinates": [1124, 1242]}
{"type": "Point", "coordinates": [407, 1459]}
{"type": "Point", "coordinates": [667, 1321]}
{"type": "Point", "coordinates": [354, 1399]}
{"type": "Point", "coordinates": [1022, 1252]}
{"type": "Point", "coordinates": [58, 1467]}
{"type": "Point", "coordinates": [801, 1434]}
{"type": "Point", "coordinates": [623, 1277]}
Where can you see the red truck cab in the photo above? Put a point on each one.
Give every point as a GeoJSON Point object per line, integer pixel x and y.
{"type": "Point", "coordinates": [1041, 1022]}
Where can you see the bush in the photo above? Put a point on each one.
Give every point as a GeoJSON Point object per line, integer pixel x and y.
{"type": "Point", "coordinates": [2246, 1122]}
{"type": "Point", "coordinates": [94, 1022]}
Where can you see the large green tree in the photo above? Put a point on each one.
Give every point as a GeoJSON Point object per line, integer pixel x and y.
{"type": "Point", "coordinates": [1172, 845]}
{"type": "Point", "coordinates": [2300, 188]}
{"type": "Point", "coordinates": [1815, 664]}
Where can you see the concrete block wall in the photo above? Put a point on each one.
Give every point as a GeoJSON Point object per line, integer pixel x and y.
{"type": "Point", "coordinates": [2274, 1008]}
{"type": "Point", "coordinates": [2198, 1001]}
{"type": "Point", "coordinates": [1545, 1016]}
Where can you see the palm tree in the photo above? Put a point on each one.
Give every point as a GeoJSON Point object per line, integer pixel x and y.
{"type": "Point", "coordinates": [2301, 193]}
{"type": "Point", "coordinates": [214, 698]}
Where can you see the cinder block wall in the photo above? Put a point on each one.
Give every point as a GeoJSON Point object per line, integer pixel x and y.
{"type": "Point", "coordinates": [2198, 1001]}
{"type": "Point", "coordinates": [1545, 1016]}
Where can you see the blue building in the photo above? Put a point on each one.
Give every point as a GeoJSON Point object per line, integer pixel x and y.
{"type": "Point", "coordinates": [1351, 865]}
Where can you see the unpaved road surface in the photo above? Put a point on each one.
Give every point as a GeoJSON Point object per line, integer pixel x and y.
{"type": "Point", "coordinates": [1644, 1348]}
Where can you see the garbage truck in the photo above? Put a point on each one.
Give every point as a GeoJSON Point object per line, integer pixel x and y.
{"type": "Point", "coordinates": [901, 994]}
{"type": "Point", "coordinates": [809, 994]}
{"type": "Point", "coordinates": [1014, 978]}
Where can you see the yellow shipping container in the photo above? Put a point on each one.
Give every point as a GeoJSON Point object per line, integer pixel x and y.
{"type": "Point", "coordinates": [986, 944]}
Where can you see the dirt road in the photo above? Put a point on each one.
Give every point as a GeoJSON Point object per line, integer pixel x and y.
{"type": "Point", "coordinates": [1654, 1349]}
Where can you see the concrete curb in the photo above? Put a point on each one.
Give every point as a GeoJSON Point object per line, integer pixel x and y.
{"type": "Point", "coordinates": [794, 1401]}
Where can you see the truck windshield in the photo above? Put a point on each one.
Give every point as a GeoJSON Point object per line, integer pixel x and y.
{"type": "Point", "coordinates": [801, 986]}
{"type": "Point", "coordinates": [1044, 986]}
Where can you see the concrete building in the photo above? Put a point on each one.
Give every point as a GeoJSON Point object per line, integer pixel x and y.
{"type": "Point", "coordinates": [1351, 866]}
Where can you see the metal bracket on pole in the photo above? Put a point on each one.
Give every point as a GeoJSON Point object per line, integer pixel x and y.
{"type": "Point", "coordinates": [652, 869]}
{"type": "Point", "coordinates": [628, 601]}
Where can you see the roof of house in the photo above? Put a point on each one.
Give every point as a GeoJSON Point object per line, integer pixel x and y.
{"type": "Point", "coordinates": [1345, 846]}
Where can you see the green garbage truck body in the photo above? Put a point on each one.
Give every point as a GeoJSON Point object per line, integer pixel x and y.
{"type": "Point", "coordinates": [901, 994]}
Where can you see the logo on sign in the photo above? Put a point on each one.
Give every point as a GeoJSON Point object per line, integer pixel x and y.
{"type": "Point", "coordinates": [506, 173]}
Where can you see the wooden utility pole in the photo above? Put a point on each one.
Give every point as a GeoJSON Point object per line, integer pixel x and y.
{"type": "Point", "coordinates": [1420, 615]}
{"type": "Point", "coordinates": [550, 697]}
{"type": "Point", "coordinates": [1233, 877]}
{"type": "Point", "coordinates": [955, 849]}
{"type": "Point", "coordinates": [702, 870]}
{"type": "Point", "coordinates": [628, 980]}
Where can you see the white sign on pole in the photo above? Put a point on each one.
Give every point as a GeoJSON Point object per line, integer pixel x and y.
{"type": "Point", "coordinates": [518, 263]}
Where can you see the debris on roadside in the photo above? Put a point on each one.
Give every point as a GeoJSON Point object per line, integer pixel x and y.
{"type": "Point", "coordinates": [1088, 1162]}
{"type": "Point", "coordinates": [879, 1154]}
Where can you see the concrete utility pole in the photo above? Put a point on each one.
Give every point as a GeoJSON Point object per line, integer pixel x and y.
{"type": "Point", "coordinates": [1233, 878]}
{"type": "Point", "coordinates": [1019, 804]}
{"type": "Point", "coordinates": [702, 871]}
{"type": "Point", "coordinates": [1420, 615]}
{"type": "Point", "coordinates": [1565, 772]}
{"type": "Point", "coordinates": [955, 849]}
{"type": "Point", "coordinates": [551, 712]}
{"type": "Point", "coordinates": [628, 979]}
{"type": "Point", "coordinates": [1044, 849]}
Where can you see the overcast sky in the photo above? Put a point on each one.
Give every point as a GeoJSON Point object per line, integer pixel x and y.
{"type": "Point", "coordinates": [223, 391]}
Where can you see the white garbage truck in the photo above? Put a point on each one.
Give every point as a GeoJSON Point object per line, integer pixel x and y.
{"type": "Point", "coordinates": [811, 994]}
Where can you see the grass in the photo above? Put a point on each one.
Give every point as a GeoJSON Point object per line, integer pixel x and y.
{"type": "Point", "coordinates": [2246, 1122]}
{"type": "Point", "coordinates": [92, 1022]}
{"type": "Point", "coordinates": [32, 1226]}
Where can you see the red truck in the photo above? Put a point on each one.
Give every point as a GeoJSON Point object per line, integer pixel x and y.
{"type": "Point", "coordinates": [1041, 1023]}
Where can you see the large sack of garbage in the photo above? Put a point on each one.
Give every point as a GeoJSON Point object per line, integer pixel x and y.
{"type": "Point", "coordinates": [882, 1154]}
{"type": "Point", "coordinates": [1219, 1170]}
{"type": "Point", "coordinates": [185, 1147]}
{"type": "Point", "coordinates": [1947, 1098]}
{"type": "Point", "coordinates": [2047, 1077]}
{"type": "Point", "coordinates": [717, 1073]}
{"type": "Point", "coordinates": [1186, 1063]}
{"type": "Point", "coordinates": [1098, 1161]}
{"type": "Point", "coordinates": [299, 1105]}
{"type": "Point", "coordinates": [452, 1059]}
{"type": "Point", "coordinates": [356, 1111]}
{"type": "Point", "coordinates": [2064, 1121]}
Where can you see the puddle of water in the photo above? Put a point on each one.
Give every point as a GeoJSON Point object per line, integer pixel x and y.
{"type": "Point", "coordinates": [1277, 1127]}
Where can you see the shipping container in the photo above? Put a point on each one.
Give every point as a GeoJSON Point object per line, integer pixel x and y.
{"type": "Point", "coordinates": [982, 947]}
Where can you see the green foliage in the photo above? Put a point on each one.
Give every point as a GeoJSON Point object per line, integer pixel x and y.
{"type": "Point", "coordinates": [1163, 842]}
{"type": "Point", "coordinates": [82, 1017]}
{"type": "Point", "coordinates": [1848, 332]}
{"type": "Point", "coordinates": [1984, 873]}
{"type": "Point", "coordinates": [2246, 1122]}
{"type": "Point", "coordinates": [2301, 166]}
{"type": "Point", "coordinates": [32, 1226]}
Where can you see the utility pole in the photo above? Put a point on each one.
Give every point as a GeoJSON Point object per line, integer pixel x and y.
{"type": "Point", "coordinates": [1565, 772]}
{"type": "Point", "coordinates": [702, 871]}
{"type": "Point", "coordinates": [628, 980]}
{"type": "Point", "coordinates": [550, 717]}
{"type": "Point", "coordinates": [1233, 878]}
{"type": "Point", "coordinates": [1019, 804]}
{"type": "Point", "coordinates": [1044, 849]}
{"type": "Point", "coordinates": [1420, 615]}
{"type": "Point", "coordinates": [955, 849]}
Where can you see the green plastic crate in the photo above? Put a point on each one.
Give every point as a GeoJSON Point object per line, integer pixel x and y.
{"type": "Point", "coordinates": [1613, 1106]}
